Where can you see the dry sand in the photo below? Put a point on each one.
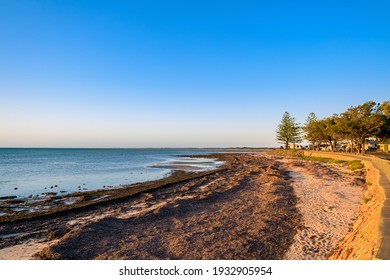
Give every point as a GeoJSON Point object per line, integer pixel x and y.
{"type": "Point", "coordinates": [329, 201]}
{"type": "Point", "coordinates": [259, 207]}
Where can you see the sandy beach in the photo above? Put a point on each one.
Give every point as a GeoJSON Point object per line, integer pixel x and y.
{"type": "Point", "coordinates": [256, 206]}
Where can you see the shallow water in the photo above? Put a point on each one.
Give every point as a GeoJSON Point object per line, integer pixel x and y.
{"type": "Point", "coordinates": [25, 172]}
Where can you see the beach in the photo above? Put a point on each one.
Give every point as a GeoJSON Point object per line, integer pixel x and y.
{"type": "Point", "coordinates": [256, 206]}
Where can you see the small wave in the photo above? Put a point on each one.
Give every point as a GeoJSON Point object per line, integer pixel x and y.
{"type": "Point", "coordinates": [62, 162]}
{"type": "Point", "coordinates": [189, 164]}
{"type": "Point", "coordinates": [6, 181]}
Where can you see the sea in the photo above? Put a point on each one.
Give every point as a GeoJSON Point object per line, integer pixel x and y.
{"type": "Point", "coordinates": [32, 172]}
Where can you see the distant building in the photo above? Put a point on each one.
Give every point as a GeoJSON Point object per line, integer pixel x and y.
{"type": "Point", "coordinates": [370, 144]}
{"type": "Point", "coordinates": [293, 146]}
{"type": "Point", "coordinates": [384, 147]}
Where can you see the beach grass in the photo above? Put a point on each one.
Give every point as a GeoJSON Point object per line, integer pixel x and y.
{"type": "Point", "coordinates": [352, 164]}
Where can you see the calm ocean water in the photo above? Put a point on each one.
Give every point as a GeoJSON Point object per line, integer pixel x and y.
{"type": "Point", "coordinates": [25, 172]}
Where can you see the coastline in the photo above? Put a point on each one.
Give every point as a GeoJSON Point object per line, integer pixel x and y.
{"type": "Point", "coordinates": [255, 206]}
{"type": "Point", "coordinates": [40, 173]}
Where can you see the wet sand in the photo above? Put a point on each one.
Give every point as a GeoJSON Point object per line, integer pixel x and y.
{"type": "Point", "coordinates": [254, 207]}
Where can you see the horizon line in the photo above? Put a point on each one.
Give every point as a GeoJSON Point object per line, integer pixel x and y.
{"type": "Point", "coordinates": [124, 148]}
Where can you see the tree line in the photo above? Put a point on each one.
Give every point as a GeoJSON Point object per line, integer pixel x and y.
{"type": "Point", "coordinates": [355, 125]}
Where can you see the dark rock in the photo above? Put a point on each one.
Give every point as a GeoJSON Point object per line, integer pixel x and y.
{"type": "Point", "coordinates": [8, 197]}
{"type": "Point", "coordinates": [50, 193]}
{"type": "Point", "coordinates": [15, 201]}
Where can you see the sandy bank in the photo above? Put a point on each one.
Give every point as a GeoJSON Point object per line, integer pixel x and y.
{"type": "Point", "coordinates": [363, 240]}
{"type": "Point", "coordinates": [329, 197]}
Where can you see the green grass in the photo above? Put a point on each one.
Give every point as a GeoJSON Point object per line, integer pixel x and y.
{"type": "Point", "coordinates": [338, 161]}
{"type": "Point", "coordinates": [287, 153]}
{"type": "Point", "coordinates": [352, 164]}
{"type": "Point", "coordinates": [323, 159]}
{"type": "Point", "coordinates": [355, 165]}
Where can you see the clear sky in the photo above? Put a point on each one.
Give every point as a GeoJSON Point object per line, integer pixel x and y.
{"type": "Point", "coordinates": [183, 73]}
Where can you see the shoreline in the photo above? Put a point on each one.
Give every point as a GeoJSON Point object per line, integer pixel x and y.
{"type": "Point", "coordinates": [242, 179]}
{"type": "Point", "coordinates": [14, 205]}
{"type": "Point", "coordinates": [53, 204]}
{"type": "Point", "coordinates": [63, 171]}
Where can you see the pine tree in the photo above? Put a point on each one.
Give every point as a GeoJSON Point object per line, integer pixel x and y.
{"type": "Point", "coordinates": [288, 131]}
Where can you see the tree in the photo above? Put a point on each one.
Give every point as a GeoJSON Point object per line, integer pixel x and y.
{"type": "Point", "coordinates": [315, 131]}
{"type": "Point", "coordinates": [332, 131]}
{"type": "Point", "coordinates": [384, 133]}
{"type": "Point", "coordinates": [361, 122]}
{"type": "Point", "coordinates": [288, 131]}
{"type": "Point", "coordinates": [309, 129]}
{"type": "Point", "coordinates": [385, 108]}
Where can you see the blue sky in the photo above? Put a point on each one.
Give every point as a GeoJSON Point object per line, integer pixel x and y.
{"type": "Point", "coordinates": [183, 73]}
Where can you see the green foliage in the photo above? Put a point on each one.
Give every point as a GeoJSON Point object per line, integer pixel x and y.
{"type": "Point", "coordinates": [324, 159]}
{"type": "Point", "coordinates": [318, 159]}
{"type": "Point", "coordinates": [339, 161]}
{"type": "Point", "coordinates": [354, 125]}
{"type": "Point", "coordinates": [384, 132]}
{"type": "Point", "coordinates": [322, 131]}
{"type": "Point", "coordinates": [385, 108]}
{"type": "Point", "coordinates": [352, 165]}
{"type": "Point", "coordinates": [355, 165]}
{"type": "Point", "coordinates": [361, 122]}
{"type": "Point", "coordinates": [288, 131]}
{"type": "Point", "coordinates": [313, 130]}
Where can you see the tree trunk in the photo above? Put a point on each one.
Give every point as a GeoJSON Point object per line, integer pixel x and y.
{"type": "Point", "coordinates": [334, 146]}
{"type": "Point", "coordinates": [363, 151]}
